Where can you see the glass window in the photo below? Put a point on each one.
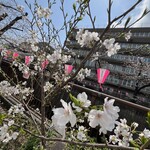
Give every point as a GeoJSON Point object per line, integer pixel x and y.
{"type": "Point", "coordinates": [132, 71]}
{"type": "Point", "coordinates": [128, 83]}
{"type": "Point", "coordinates": [127, 70]}
{"type": "Point", "coordinates": [116, 81]}
{"type": "Point", "coordinates": [124, 82]}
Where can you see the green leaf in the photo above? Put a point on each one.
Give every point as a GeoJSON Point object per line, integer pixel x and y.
{"type": "Point", "coordinates": [143, 140]}
{"type": "Point", "coordinates": [79, 18]}
{"type": "Point", "coordinates": [134, 144]}
{"type": "Point", "coordinates": [145, 12]}
{"type": "Point", "coordinates": [75, 100]}
{"type": "Point", "coordinates": [2, 117]}
{"type": "Point", "coordinates": [94, 18]}
{"type": "Point", "coordinates": [74, 7]}
{"type": "Point", "coordinates": [22, 131]}
{"type": "Point", "coordinates": [148, 118]}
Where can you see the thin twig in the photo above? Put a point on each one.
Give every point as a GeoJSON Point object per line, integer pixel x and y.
{"type": "Point", "coordinates": [79, 143]}
{"type": "Point", "coordinates": [7, 27]}
{"type": "Point", "coordinates": [145, 145]}
{"type": "Point", "coordinates": [90, 15]}
{"type": "Point", "coordinates": [109, 11]}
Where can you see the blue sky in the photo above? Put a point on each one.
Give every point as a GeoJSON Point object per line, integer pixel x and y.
{"type": "Point", "coordinates": [98, 8]}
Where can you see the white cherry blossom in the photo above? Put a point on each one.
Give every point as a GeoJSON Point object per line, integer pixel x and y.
{"type": "Point", "coordinates": [7, 138]}
{"type": "Point", "coordinates": [128, 35]}
{"type": "Point", "coordinates": [47, 86]}
{"type": "Point", "coordinates": [111, 46]}
{"type": "Point", "coordinates": [98, 117]}
{"type": "Point", "coordinates": [83, 73]}
{"type": "Point", "coordinates": [110, 109]}
{"type": "Point", "coordinates": [62, 116]}
{"type": "Point", "coordinates": [43, 12]}
{"type": "Point", "coordinates": [86, 38]}
{"type": "Point", "coordinates": [34, 47]}
{"type": "Point", "coordinates": [16, 109]}
{"type": "Point", "coordinates": [113, 139]}
{"type": "Point", "coordinates": [81, 136]}
{"type": "Point", "coordinates": [145, 133]}
{"type": "Point", "coordinates": [83, 98]}
{"type": "Point", "coordinates": [3, 132]}
{"type": "Point", "coordinates": [123, 133]}
{"type": "Point", "coordinates": [108, 43]}
{"type": "Point", "coordinates": [84, 102]}
{"type": "Point", "coordinates": [11, 122]}
{"type": "Point", "coordinates": [14, 135]}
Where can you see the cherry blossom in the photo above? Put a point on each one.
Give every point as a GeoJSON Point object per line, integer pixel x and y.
{"type": "Point", "coordinates": [123, 133]}
{"type": "Point", "coordinates": [110, 109]}
{"type": "Point", "coordinates": [86, 38]}
{"type": "Point", "coordinates": [81, 135]}
{"type": "Point", "coordinates": [47, 86]}
{"type": "Point", "coordinates": [14, 135]}
{"type": "Point", "coordinates": [111, 46]}
{"type": "Point", "coordinates": [128, 35]}
{"type": "Point", "coordinates": [83, 73]}
{"type": "Point", "coordinates": [6, 89]}
{"type": "Point", "coordinates": [98, 117]}
{"type": "Point", "coordinates": [11, 122]}
{"type": "Point", "coordinates": [63, 115]}
{"type": "Point", "coordinates": [43, 12]}
{"type": "Point", "coordinates": [16, 109]}
{"type": "Point", "coordinates": [84, 102]}
{"type": "Point", "coordinates": [145, 133]}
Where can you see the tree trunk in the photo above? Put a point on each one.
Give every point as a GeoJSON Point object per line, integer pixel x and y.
{"type": "Point", "coordinates": [42, 111]}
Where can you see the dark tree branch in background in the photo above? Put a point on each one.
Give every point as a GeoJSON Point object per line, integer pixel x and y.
{"type": "Point", "coordinates": [3, 16]}
{"type": "Point", "coordinates": [16, 28]}
{"type": "Point", "coordinates": [109, 11]}
{"type": "Point", "coordinates": [7, 6]}
{"type": "Point", "coordinates": [137, 91]}
{"type": "Point", "coordinates": [9, 26]}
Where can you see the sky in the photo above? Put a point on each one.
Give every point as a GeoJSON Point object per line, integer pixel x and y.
{"type": "Point", "coordinates": [98, 9]}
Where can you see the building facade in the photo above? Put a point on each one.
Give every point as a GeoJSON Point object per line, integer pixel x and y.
{"type": "Point", "coordinates": [129, 69]}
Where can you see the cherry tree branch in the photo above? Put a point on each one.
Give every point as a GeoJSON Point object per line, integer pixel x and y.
{"type": "Point", "coordinates": [92, 145]}
{"type": "Point", "coordinates": [9, 26]}
{"type": "Point", "coordinates": [7, 6]}
{"type": "Point", "coordinates": [109, 11]}
{"type": "Point", "coordinates": [90, 15]}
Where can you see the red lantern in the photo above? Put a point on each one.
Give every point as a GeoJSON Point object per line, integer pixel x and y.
{"type": "Point", "coordinates": [44, 64]}
{"type": "Point", "coordinates": [102, 75]}
{"type": "Point", "coordinates": [15, 55]}
{"type": "Point", "coordinates": [68, 69]}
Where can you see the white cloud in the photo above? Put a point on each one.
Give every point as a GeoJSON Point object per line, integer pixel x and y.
{"type": "Point", "coordinates": [144, 22]}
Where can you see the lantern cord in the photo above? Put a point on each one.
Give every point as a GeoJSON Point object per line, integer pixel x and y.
{"type": "Point", "coordinates": [100, 85]}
